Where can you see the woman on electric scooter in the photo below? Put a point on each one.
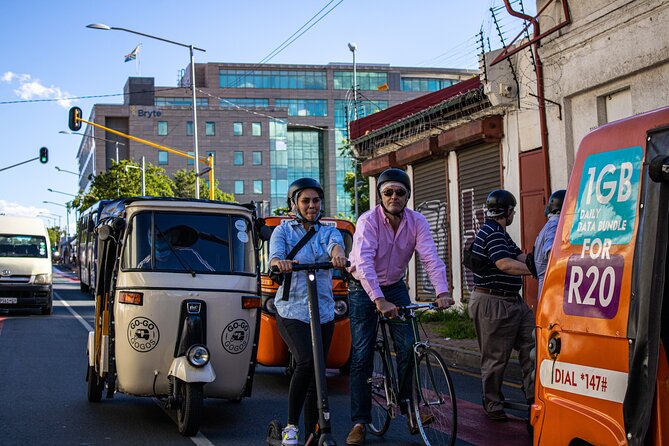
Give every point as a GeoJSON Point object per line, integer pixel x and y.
{"type": "Point", "coordinates": [321, 244]}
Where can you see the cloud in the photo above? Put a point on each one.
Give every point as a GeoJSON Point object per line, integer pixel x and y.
{"type": "Point", "coordinates": [15, 209]}
{"type": "Point", "coordinates": [30, 88]}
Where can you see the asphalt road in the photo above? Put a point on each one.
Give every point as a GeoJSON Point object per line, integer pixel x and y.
{"type": "Point", "coordinates": [43, 394]}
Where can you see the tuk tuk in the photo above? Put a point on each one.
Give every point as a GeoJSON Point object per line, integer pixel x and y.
{"type": "Point", "coordinates": [272, 351]}
{"type": "Point", "coordinates": [603, 318]}
{"type": "Point", "coordinates": [177, 303]}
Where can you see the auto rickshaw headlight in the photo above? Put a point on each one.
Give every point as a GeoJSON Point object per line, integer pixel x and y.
{"type": "Point", "coordinates": [269, 305]}
{"type": "Point", "coordinates": [198, 355]}
{"type": "Point", "coordinates": [340, 307]}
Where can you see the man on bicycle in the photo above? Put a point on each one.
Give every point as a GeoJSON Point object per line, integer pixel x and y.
{"type": "Point", "coordinates": [384, 241]}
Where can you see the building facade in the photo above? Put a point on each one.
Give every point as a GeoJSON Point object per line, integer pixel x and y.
{"type": "Point", "coordinates": [265, 126]}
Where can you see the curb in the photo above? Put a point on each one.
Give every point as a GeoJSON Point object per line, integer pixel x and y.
{"type": "Point", "coordinates": [468, 360]}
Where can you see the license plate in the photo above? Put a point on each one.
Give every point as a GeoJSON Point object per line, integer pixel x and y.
{"type": "Point", "coordinates": [8, 300]}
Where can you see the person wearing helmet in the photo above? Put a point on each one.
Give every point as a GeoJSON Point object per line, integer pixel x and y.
{"type": "Point", "coordinates": [305, 197]}
{"type": "Point", "coordinates": [503, 321]}
{"type": "Point", "coordinates": [544, 242]}
{"type": "Point", "coordinates": [384, 241]}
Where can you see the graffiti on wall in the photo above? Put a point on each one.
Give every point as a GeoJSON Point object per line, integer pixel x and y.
{"type": "Point", "coordinates": [472, 217]}
{"type": "Point", "coordinates": [436, 213]}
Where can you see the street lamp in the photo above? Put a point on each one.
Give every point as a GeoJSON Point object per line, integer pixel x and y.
{"type": "Point", "coordinates": [66, 171]}
{"type": "Point", "coordinates": [67, 213]}
{"type": "Point", "coordinates": [143, 170]}
{"type": "Point", "coordinates": [59, 192]}
{"type": "Point", "coordinates": [116, 143]}
{"type": "Point", "coordinates": [50, 216]}
{"type": "Point", "coordinates": [353, 47]}
{"type": "Point", "coordinates": [192, 84]}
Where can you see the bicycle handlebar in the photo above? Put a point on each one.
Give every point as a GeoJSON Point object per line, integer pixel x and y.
{"type": "Point", "coordinates": [310, 266]}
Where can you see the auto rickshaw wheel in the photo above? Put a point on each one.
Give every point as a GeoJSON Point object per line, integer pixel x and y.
{"type": "Point", "coordinates": [95, 385]}
{"type": "Point", "coordinates": [274, 431]}
{"type": "Point", "coordinates": [189, 407]}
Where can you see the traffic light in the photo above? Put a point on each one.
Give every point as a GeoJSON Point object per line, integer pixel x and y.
{"type": "Point", "coordinates": [43, 155]}
{"type": "Point", "coordinates": [75, 119]}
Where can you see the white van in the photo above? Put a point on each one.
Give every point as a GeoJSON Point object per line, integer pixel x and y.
{"type": "Point", "coordinates": [25, 264]}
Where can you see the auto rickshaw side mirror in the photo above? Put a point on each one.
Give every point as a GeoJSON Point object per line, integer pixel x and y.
{"type": "Point", "coordinates": [659, 169]}
{"type": "Point", "coordinates": [264, 231]}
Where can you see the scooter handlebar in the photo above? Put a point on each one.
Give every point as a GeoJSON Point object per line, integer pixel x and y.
{"type": "Point", "coordinates": [310, 266]}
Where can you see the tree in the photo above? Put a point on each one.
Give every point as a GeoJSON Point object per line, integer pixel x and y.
{"type": "Point", "coordinates": [54, 235]}
{"type": "Point", "coordinates": [184, 187]}
{"type": "Point", "coordinates": [121, 181]}
{"type": "Point", "coordinates": [349, 184]}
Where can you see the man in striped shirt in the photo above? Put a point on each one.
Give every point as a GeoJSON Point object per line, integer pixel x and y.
{"type": "Point", "coordinates": [503, 321]}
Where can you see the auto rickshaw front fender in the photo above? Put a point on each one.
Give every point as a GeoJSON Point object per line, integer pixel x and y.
{"type": "Point", "coordinates": [184, 371]}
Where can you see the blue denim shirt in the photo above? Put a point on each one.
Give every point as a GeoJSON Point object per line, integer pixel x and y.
{"type": "Point", "coordinates": [318, 249]}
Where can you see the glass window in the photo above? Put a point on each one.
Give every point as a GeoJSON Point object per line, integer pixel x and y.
{"type": "Point", "coordinates": [189, 128]}
{"type": "Point", "coordinates": [181, 102]}
{"type": "Point", "coordinates": [162, 128]}
{"type": "Point", "coordinates": [187, 243]}
{"type": "Point", "coordinates": [243, 102]}
{"type": "Point", "coordinates": [367, 80]}
{"type": "Point", "coordinates": [257, 158]}
{"type": "Point", "coordinates": [304, 107]}
{"type": "Point", "coordinates": [424, 84]}
{"type": "Point", "coordinates": [12, 245]}
{"type": "Point", "coordinates": [191, 162]}
{"type": "Point", "coordinates": [237, 129]}
{"type": "Point", "coordinates": [163, 158]}
{"type": "Point", "coordinates": [210, 128]}
{"type": "Point", "coordinates": [257, 186]}
{"type": "Point", "coordinates": [256, 129]}
{"type": "Point", "coordinates": [239, 187]}
{"type": "Point", "coordinates": [308, 80]}
{"type": "Point", "coordinates": [238, 158]}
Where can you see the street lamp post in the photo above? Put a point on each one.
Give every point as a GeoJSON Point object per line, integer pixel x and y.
{"type": "Point", "coordinates": [191, 48]}
{"type": "Point", "coordinates": [143, 170]}
{"type": "Point", "coordinates": [66, 171]}
{"type": "Point", "coordinates": [67, 213]}
{"type": "Point", "coordinates": [116, 143]}
{"type": "Point", "coordinates": [353, 47]}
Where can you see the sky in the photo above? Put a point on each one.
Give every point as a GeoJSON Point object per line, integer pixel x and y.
{"type": "Point", "coordinates": [49, 58]}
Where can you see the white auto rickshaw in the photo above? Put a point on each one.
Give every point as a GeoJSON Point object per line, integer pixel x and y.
{"type": "Point", "coordinates": [177, 303]}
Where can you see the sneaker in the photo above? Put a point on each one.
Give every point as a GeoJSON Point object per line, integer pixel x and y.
{"type": "Point", "coordinates": [290, 435]}
{"type": "Point", "coordinates": [497, 415]}
{"type": "Point", "coordinates": [357, 435]}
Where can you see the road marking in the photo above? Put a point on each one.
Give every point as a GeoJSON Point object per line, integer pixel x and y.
{"type": "Point", "coordinates": [81, 320]}
{"type": "Point", "coordinates": [199, 439]}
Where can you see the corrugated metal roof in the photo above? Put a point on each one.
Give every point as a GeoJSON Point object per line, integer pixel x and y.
{"type": "Point", "coordinates": [393, 114]}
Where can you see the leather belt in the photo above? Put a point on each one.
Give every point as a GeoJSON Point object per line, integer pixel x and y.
{"type": "Point", "coordinates": [500, 293]}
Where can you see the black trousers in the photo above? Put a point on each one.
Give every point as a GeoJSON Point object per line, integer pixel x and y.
{"type": "Point", "coordinates": [302, 390]}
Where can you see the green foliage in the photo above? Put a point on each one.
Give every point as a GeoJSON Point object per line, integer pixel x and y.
{"type": "Point", "coordinates": [453, 323]}
{"type": "Point", "coordinates": [281, 211]}
{"type": "Point", "coordinates": [184, 187]}
{"type": "Point", "coordinates": [124, 179]}
{"type": "Point", "coordinates": [349, 183]}
{"type": "Point", "coordinates": [54, 235]}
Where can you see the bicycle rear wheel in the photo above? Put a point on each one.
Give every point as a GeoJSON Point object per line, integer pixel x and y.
{"type": "Point", "coordinates": [380, 391]}
{"type": "Point", "coordinates": [434, 400]}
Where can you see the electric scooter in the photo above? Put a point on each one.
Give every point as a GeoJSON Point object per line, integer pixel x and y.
{"type": "Point", "coordinates": [323, 436]}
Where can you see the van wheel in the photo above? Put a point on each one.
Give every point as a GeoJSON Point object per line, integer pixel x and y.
{"type": "Point", "coordinates": [47, 309]}
{"type": "Point", "coordinates": [95, 385]}
{"type": "Point", "coordinates": [189, 407]}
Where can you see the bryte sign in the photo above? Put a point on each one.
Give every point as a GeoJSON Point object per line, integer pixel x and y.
{"type": "Point", "coordinates": [144, 113]}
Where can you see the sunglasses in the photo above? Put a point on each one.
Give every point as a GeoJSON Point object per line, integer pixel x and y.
{"type": "Point", "coordinates": [390, 192]}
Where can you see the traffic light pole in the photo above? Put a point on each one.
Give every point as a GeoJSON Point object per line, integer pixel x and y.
{"type": "Point", "coordinates": [18, 164]}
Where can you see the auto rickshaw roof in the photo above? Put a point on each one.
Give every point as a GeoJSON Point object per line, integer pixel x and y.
{"type": "Point", "coordinates": [117, 207]}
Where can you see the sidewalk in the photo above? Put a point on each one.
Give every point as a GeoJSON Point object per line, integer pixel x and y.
{"type": "Point", "coordinates": [464, 354]}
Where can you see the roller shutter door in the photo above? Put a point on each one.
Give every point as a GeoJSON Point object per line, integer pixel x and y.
{"type": "Point", "coordinates": [431, 200]}
{"type": "Point", "coordinates": [479, 172]}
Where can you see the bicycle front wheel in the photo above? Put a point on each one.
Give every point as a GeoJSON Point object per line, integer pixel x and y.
{"type": "Point", "coordinates": [434, 401]}
{"type": "Point", "coordinates": [380, 393]}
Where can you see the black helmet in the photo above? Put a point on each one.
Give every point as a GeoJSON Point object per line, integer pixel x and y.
{"type": "Point", "coordinates": [299, 185]}
{"type": "Point", "coordinates": [499, 203]}
{"type": "Point", "coordinates": [555, 201]}
{"type": "Point", "coordinates": [394, 174]}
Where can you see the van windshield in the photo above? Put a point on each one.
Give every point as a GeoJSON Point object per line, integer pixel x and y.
{"type": "Point", "coordinates": [194, 243]}
{"type": "Point", "coordinates": [16, 245]}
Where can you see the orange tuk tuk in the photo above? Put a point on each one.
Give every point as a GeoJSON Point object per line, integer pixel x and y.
{"type": "Point", "coordinates": [272, 351]}
{"type": "Point", "coordinates": [603, 317]}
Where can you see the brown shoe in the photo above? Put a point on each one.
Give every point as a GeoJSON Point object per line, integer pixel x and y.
{"type": "Point", "coordinates": [357, 435]}
{"type": "Point", "coordinates": [497, 415]}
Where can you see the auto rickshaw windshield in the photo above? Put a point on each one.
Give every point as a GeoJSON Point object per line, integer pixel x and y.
{"type": "Point", "coordinates": [201, 243]}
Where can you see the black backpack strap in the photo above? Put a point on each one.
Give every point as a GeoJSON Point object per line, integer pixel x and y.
{"type": "Point", "coordinates": [291, 255]}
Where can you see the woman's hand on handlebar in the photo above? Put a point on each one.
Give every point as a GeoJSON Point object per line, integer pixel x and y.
{"type": "Point", "coordinates": [444, 301]}
{"type": "Point", "coordinates": [385, 308]}
{"type": "Point", "coordinates": [340, 262]}
{"type": "Point", "coordinates": [284, 266]}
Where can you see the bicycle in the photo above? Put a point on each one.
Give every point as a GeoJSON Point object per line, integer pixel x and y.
{"type": "Point", "coordinates": [433, 402]}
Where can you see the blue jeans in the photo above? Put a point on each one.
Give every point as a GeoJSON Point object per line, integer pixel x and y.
{"type": "Point", "coordinates": [363, 318]}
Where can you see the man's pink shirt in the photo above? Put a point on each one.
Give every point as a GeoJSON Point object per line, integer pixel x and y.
{"type": "Point", "coordinates": [380, 255]}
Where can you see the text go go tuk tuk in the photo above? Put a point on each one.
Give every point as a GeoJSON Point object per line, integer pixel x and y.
{"type": "Point", "coordinates": [177, 303]}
